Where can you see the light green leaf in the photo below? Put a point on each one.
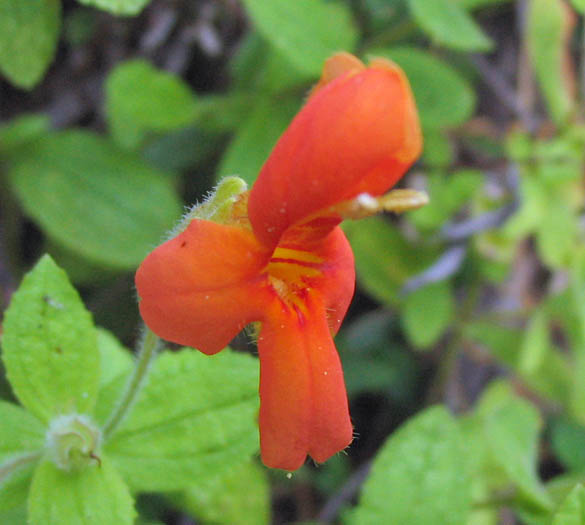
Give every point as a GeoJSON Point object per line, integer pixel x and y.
{"type": "Point", "coordinates": [20, 432]}
{"type": "Point", "coordinates": [511, 428]}
{"type": "Point", "coordinates": [535, 344]}
{"type": "Point", "coordinates": [449, 24]}
{"type": "Point", "coordinates": [22, 130]}
{"type": "Point", "coordinates": [141, 99]}
{"type": "Point", "coordinates": [21, 436]}
{"type": "Point", "coordinates": [548, 37]}
{"type": "Point", "coordinates": [306, 31]}
{"type": "Point", "coordinates": [427, 313]}
{"type": "Point", "coordinates": [443, 97]}
{"type": "Point", "coordinates": [98, 201]}
{"type": "Point", "coordinates": [572, 510]}
{"type": "Point", "coordinates": [579, 5]}
{"type": "Point", "coordinates": [420, 476]}
{"type": "Point", "coordinates": [28, 37]}
{"type": "Point", "coordinates": [14, 489]}
{"type": "Point", "coordinates": [384, 258]}
{"type": "Point", "coordinates": [196, 416]}
{"type": "Point", "coordinates": [238, 497]}
{"type": "Point", "coordinates": [477, 4]}
{"type": "Point", "coordinates": [118, 7]}
{"type": "Point", "coordinates": [447, 194]}
{"type": "Point", "coordinates": [557, 233]}
{"type": "Point", "coordinates": [49, 345]}
{"type": "Point", "coordinates": [256, 137]}
{"type": "Point", "coordinates": [95, 495]}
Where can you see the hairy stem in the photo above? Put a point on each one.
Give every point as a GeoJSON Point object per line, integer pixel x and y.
{"type": "Point", "coordinates": [148, 349]}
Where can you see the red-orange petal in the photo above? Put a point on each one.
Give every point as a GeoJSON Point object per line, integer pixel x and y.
{"type": "Point", "coordinates": [359, 133]}
{"type": "Point", "coordinates": [202, 287]}
{"type": "Point", "coordinates": [303, 403]}
{"type": "Point", "coordinates": [336, 282]}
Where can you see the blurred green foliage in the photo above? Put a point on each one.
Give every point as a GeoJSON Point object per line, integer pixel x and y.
{"type": "Point", "coordinates": [464, 352]}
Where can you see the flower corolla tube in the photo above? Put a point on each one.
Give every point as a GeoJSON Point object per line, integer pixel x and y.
{"type": "Point", "coordinates": [279, 259]}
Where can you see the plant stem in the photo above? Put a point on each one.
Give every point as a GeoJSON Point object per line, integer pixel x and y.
{"type": "Point", "coordinates": [147, 352]}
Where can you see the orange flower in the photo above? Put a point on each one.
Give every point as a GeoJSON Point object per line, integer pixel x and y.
{"type": "Point", "coordinates": [281, 259]}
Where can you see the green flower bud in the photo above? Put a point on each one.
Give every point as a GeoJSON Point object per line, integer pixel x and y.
{"type": "Point", "coordinates": [73, 442]}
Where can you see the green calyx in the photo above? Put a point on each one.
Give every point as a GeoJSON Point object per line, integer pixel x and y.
{"type": "Point", "coordinates": [73, 442]}
{"type": "Point", "coordinates": [217, 207]}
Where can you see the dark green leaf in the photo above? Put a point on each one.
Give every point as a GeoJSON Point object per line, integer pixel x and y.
{"type": "Point", "coordinates": [384, 258]}
{"type": "Point", "coordinates": [448, 24]}
{"type": "Point", "coordinates": [306, 31]}
{"type": "Point", "coordinates": [98, 201]}
{"type": "Point", "coordinates": [256, 137]}
{"type": "Point", "coordinates": [141, 99]}
{"type": "Point", "coordinates": [28, 37]}
{"type": "Point", "coordinates": [568, 442]}
{"type": "Point", "coordinates": [427, 313]}
{"type": "Point", "coordinates": [443, 97]}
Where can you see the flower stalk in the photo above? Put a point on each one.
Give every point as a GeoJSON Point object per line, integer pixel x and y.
{"type": "Point", "coordinates": [148, 349]}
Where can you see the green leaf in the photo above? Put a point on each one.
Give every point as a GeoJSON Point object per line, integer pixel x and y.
{"type": "Point", "coordinates": [535, 344]}
{"type": "Point", "coordinates": [28, 37]}
{"type": "Point", "coordinates": [22, 130]}
{"type": "Point", "coordinates": [568, 443]}
{"type": "Point", "coordinates": [306, 31]}
{"type": "Point", "coordinates": [511, 428]}
{"type": "Point", "coordinates": [443, 97]}
{"type": "Point", "coordinates": [557, 234]}
{"type": "Point", "coordinates": [572, 510]}
{"type": "Point", "coordinates": [238, 497]}
{"type": "Point", "coordinates": [118, 7]}
{"type": "Point", "coordinates": [548, 35]}
{"type": "Point", "coordinates": [14, 516]}
{"type": "Point", "coordinates": [20, 432]}
{"type": "Point", "coordinates": [258, 66]}
{"type": "Point", "coordinates": [49, 345]}
{"type": "Point", "coordinates": [384, 258]}
{"type": "Point", "coordinates": [141, 99]}
{"type": "Point", "coordinates": [256, 137]}
{"type": "Point", "coordinates": [21, 436]}
{"type": "Point", "coordinates": [196, 416]}
{"type": "Point", "coordinates": [579, 5]}
{"type": "Point", "coordinates": [95, 495]}
{"type": "Point", "coordinates": [98, 201]}
{"type": "Point", "coordinates": [548, 372]}
{"type": "Point", "coordinates": [448, 24]}
{"type": "Point", "coordinates": [447, 194]}
{"type": "Point", "coordinates": [420, 476]}
{"type": "Point", "coordinates": [427, 313]}
{"type": "Point", "coordinates": [14, 490]}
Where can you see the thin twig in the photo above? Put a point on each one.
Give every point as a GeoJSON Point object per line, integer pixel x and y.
{"type": "Point", "coordinates": [345, 494]}
{"type": "Point", "coordinates": [504, 91]}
